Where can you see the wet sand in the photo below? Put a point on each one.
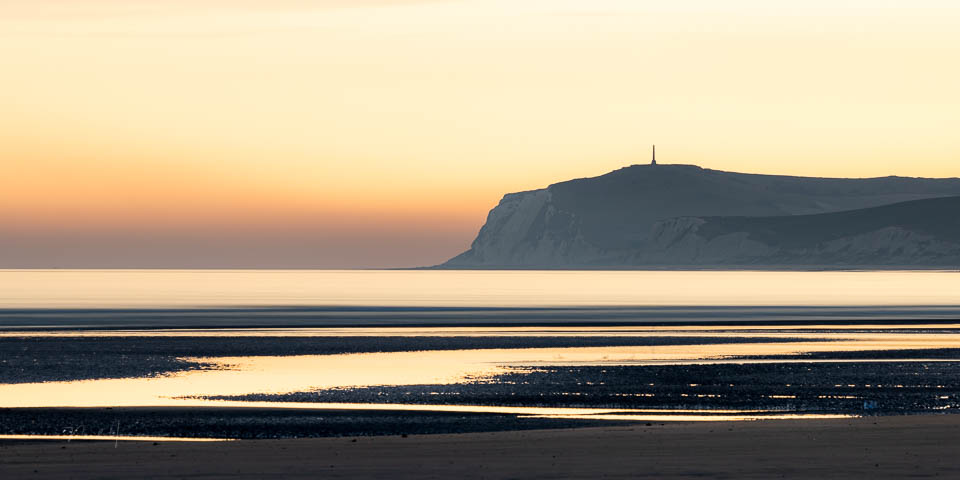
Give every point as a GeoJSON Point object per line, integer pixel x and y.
{"type": "Point", "coordinates": [869, 447]}
{"type": "Point", "coordinates": [38, 358]}
{"type": "Point", "coordinates": [257, 422]}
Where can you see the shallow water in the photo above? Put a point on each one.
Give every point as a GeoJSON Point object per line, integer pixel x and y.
{"type": "Point", "coordinates": [796, 314]}
{"type": "Point", "coordinates": [443, 288]}
{"type": "Point", "coordinates": [111, 438]}
{"type": "Point", "coordinates": [238, 376]}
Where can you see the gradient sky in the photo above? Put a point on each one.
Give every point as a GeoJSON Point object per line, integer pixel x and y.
{"type": "Point", "coordinates": [366, 133]}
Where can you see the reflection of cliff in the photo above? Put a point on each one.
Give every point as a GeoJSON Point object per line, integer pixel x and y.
{"type": "Point", "coordinates": [685, 215]}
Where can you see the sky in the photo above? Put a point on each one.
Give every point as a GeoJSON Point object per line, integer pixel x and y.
{"type": "Point", "coordinates": [379, 133]}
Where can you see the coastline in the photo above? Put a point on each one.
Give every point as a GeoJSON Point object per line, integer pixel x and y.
{"type": "Point", "coordinates": [733, 267]}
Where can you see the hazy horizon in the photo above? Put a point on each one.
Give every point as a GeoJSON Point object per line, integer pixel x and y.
{"type": "Point", "coordinates": [250, 249]}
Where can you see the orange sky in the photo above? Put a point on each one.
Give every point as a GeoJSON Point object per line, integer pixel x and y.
{"type": "Point", "coordinates": [366, 133]}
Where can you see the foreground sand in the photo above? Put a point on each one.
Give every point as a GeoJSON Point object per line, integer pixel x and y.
{"type": "Point", "coordinates": [880, 447]}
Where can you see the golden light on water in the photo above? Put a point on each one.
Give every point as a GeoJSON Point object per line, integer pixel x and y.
{"type": "Point", "coordinates": [232, 376]}
{"type": "Point", "coordinates": [113, 438]}
{"type": "Point", "coordinates": [226, 288]}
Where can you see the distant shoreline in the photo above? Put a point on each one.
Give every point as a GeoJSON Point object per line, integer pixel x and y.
{"type": "Point", "coordinates": [599, 268]}
{"type": "Point", "coordinates": [702, 268]}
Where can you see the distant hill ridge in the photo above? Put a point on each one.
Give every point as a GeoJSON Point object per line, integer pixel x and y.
{"type": "Point", "coordinates": [684, 215]}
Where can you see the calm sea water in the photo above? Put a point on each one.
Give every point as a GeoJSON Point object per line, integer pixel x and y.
{"type": "Point", "coordinates": [204, 305]}
{"type": "Point", "coordinates": [208, 288]}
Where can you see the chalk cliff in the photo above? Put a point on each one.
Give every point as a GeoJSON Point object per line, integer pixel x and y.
{"type": "Point", "coordinates": [665, 215]}
{"type": "Point", "coordinates": [916, 233]}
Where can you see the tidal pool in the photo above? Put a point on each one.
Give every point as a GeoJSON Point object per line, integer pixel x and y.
{"type": "Point", "coordinates": [239, 376]}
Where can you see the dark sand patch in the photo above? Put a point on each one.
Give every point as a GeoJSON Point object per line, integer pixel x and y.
{"type": "Point", "coordinates": [260, 423]}
{"type": "Point", "coordinates": [907, 353]}
{"type": "Point", "coordinates": [842, 387]}
{"type": "Point", "coordinates": [39, 359]}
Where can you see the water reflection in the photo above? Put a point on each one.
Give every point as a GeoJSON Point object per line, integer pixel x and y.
{"type": "Point", "coordinates": [114, 438]}
{"type": "Point", "coordinates": [230, 299]}
{"type": "Point", "coordinates": [167, 288]}
{"type": "Point", "coordinates": [697, 418]}
{"type": "Point", "coordinates": [234, 376]}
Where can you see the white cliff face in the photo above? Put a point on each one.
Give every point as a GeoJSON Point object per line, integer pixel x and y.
{"type": "Point", "coordinates": [658, 215]}
{"type": "Point", "coordinates": [504, 238]}
{"type": "Point", "coordinates": [526, 229]}
{"type": "Point", "coordinates": [890, 245]}
{"type": "Point", "coordinates": [676, 241]}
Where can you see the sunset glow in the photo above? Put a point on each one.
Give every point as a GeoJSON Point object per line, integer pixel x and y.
{"type": "Point", "coordinates": [369, 133]}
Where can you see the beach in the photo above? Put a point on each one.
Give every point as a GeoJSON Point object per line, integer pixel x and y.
{"type": "Point", "coordinates": [878, 447]}
{"type": "Point", "coordinates": [502, 382]}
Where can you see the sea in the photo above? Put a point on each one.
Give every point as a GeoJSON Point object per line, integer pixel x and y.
{"type": "Point", "coordinates": [32, 289]}
{"type": "Point", "coordinates": [564, 346]}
